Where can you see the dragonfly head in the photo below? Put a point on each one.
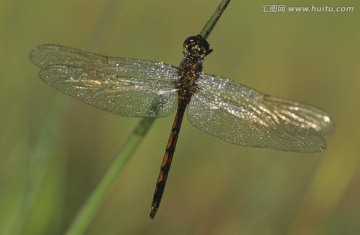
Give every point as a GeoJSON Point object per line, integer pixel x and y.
{"type": "Point", "coordinates": [196, 46]}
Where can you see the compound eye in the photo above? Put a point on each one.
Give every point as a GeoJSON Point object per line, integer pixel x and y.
{"type": "Point", "coordinates": [196, 46]}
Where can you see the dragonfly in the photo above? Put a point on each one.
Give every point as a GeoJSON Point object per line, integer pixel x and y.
{"type": "Point", "coordinates": [216, 105]}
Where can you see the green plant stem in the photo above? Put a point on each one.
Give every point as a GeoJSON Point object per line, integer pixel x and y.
{"type": "Point", "coordinates": [91, 206]}
{"type": "Point", "coordinates": [210, 24]}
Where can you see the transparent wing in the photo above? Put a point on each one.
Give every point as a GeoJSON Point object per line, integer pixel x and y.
{"type": "Point", "coordinates": [129, 87]}
{"type": "Point", "coordinates": [240, 115]}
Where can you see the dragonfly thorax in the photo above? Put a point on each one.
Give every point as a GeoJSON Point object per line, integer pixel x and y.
{"type": "Point", "coordinates": [195, 49]}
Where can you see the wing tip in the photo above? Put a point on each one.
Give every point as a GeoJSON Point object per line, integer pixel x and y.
{"type": "Point", "coordinates": [38, 55]}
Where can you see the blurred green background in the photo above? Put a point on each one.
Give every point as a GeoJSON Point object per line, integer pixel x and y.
{"type": "Point", "coordinates": [54, 149]}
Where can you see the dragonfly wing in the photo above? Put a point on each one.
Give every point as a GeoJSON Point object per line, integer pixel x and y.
{"type": "Point", "coordinates": [129, 87]}
{"type": "Point", "coordinates": [51, 54]}
{"type": "Point", "coordinates": [241, 115]}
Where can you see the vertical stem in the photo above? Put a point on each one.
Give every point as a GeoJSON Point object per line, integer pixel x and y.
{"type": "Point", "coordinates": [210, 24]}
{"type": "Point", "coordinates": [91, 206]}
